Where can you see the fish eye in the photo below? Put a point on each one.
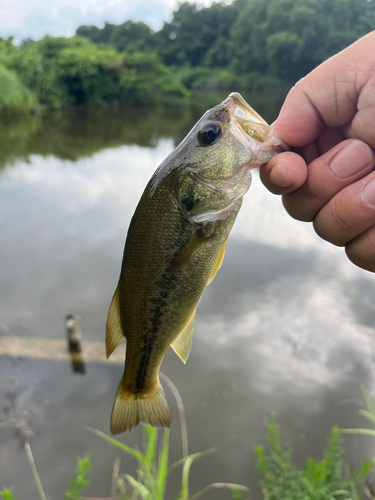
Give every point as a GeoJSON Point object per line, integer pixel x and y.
{"type": "Point", "coordinates": [209, 133]}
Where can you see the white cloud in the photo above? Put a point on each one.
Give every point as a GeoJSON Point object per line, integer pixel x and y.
{"type": "Point", "coordinates": [36, 18]}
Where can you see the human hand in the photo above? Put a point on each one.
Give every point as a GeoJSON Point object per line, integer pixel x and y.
{"type": "Point", "coordinates": [329, 116]}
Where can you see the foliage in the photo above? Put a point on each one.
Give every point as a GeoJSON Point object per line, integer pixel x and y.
{"type": "Point", "coordinates": [62, 72]}
{"type": "Point", "coordinates": [15, 98]}
{"type": "Point", "coordinates": [7, 494]}
{"type": "Point", "coordinates": [369, 414]}
{"type": "Point", "coordinates": [153, 469]}
{"type": "Point", "coordinates": [283, 38]}
{"type": "Point", "coordinates": [193, 36]}
{"type": "Point", "coordinates": [318, 480]}
{"type": "Point", "coordinates": [325, 479]}
{"type": "Point", "coordinates": [37, 65]}
{"type": "Point", "coordinates": [80, 480]}
{"type": "Point", "coordinates": [127, 37]}
{"type": "Point", "coordinates": [243, 45]}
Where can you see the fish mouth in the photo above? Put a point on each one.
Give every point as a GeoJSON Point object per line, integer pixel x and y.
{"type": "Point", "coordinates": [239, 108]}
{"type": "Point", "coordinates": [252, 130]}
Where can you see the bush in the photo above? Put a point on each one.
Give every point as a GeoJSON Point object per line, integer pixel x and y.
{"type": "Point", "coordinates": [14, 96]}
{"type": "Point", "coordinates": [319, 480]}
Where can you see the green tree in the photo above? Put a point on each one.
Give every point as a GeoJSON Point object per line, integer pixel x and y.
{"type": "Point", "coordinates": [95, 34]}
{"type": "Point", "coordinates": [193, 31]}
{"type": "Point", "coordinates": [132, 37]}
{"type": "Point", "coordinates": [90, 73]}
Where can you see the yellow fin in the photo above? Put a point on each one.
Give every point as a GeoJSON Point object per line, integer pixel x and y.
{"type": "Point", "coordinates": [114, 333]}
{"type": "Point", "coordinates": [130, 409]}
{"type": "Point", "coordinates": [194, 245]}
{"type": "Point", "coordinates": [218, 262]}
{"type": "Point", "coordinates": [182, 344]}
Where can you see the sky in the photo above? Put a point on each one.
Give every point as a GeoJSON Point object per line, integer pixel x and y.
{"type": "Point", "coordinates": [36, 18]}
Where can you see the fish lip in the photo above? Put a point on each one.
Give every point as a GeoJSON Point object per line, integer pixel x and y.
{"type": "Point", "coordinates": [238, 107]}
{"type": "Point", "coordinates": [245, 116]}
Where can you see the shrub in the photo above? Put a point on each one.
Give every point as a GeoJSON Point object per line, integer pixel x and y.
{"type": "Point", "coordinates": [14, 96]}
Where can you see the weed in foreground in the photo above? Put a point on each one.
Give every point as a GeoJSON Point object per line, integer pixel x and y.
{"type": "Point", "coordinates": [153, 470]}
{"type": "Point", "coordinates": [327, 479]}
{"type": "Point", "coordinates": [80, 480]}
{"type": "Point", "coordinates": [7, 494]}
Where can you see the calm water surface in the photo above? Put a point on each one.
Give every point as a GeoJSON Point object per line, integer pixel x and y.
{"type": "Point", "coordinates": [285, 331]}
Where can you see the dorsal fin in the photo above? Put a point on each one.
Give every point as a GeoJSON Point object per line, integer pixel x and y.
{"type": "Point", "coordinates": [114, 333]}
{"type": "Point", "coordinates": [182, 344]}
{"type": "Point", "coordinates": [218, 262]}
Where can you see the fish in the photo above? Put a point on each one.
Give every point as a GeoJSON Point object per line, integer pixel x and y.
{"type": "Point", "coordinates": [175, 245]}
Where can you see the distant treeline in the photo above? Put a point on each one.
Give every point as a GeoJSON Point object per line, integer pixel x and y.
{"type": "Point", "coordinates": [246, 45]}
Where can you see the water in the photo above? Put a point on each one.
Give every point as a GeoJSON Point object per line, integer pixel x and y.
{"type": "Point", "coordinates": [285, 331]}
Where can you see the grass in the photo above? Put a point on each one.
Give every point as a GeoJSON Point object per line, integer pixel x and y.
{"type": "Point", "coordinates": [153, 469]}
{"type": "Point", "coordinates": [7, 494]}
{"type": "Point", "coordinates": [327, 478]}
{"type": "Point", "coordinates": [80, 480]}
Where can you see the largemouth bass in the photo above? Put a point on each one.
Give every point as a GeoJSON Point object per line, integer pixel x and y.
{"type": "Point", "coordinates": [175, 245]}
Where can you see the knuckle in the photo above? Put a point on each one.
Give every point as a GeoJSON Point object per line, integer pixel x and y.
{"type": "Point", "coordinates": [295, 206]}
{"type": "Point", "coordinates": [331, 225]}
{"type": "Point", "coordinates": [361, 250]}
{"type": "Point", "coordinates": [337, 215]}
{"type": "Point", "coordinates": [303, 204]}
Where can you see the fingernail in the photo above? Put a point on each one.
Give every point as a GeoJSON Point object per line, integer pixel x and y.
{"type": "Point", "coordinates": [368, 193]}
{"type": "Point", "coordinates": [351, 159]}
{"type": "Point", "coordinates": [279, 177]}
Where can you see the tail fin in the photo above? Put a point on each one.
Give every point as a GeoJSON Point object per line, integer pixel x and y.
{"type": "Point", "coordinates": [130, 409]}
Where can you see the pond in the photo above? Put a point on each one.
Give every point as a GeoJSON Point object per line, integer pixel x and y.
{"type": "Point", "coordinates": [284, 332]}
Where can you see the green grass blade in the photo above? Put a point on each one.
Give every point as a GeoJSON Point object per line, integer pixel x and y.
{"type": "Point", "coordinates": [139, 487]}
{"type": "Point", "coordinates": [161, 478]}
{"type": "Point", "coordinates": [370, 416]}
{"type": "Point", "coordinates": [368, 399]}
{"type": "Point", "coordinates": [194, 455]}
{"type": "Point", "coordinates": [137, 454]}
{"type": "Point", "coordinates": [184, 492]}
{"type": "Point", "coordinates": [151, 437]}
{"type": "Point", "coordinates": [367, 432]}
{"type": "Point", "coordinates": [237, 490]}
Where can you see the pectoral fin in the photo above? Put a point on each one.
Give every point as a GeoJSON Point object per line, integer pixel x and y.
{"type": "Point", "coordinates": [182, 344]}
{"type": "Point", "coordinates": [194, 245]}
{"type": "Point", "coordinates": [114, 333]}
{"type": "Point", "coordinates": [218, 262]}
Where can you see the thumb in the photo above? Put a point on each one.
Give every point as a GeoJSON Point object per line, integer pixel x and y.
{"type": "Point", "coordinates": [340, 92]}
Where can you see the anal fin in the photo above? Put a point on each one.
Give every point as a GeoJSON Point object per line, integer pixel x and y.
{"type": "Point", "coordinates": [182, 344]}
{"type": "Point", "coordinates": [114, 333]}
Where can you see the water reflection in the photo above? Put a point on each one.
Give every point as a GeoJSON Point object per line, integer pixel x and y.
{"type": "Point", "coordinates": [76, 134]}
{"type": "Point", "coordinates": [284, 331]}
